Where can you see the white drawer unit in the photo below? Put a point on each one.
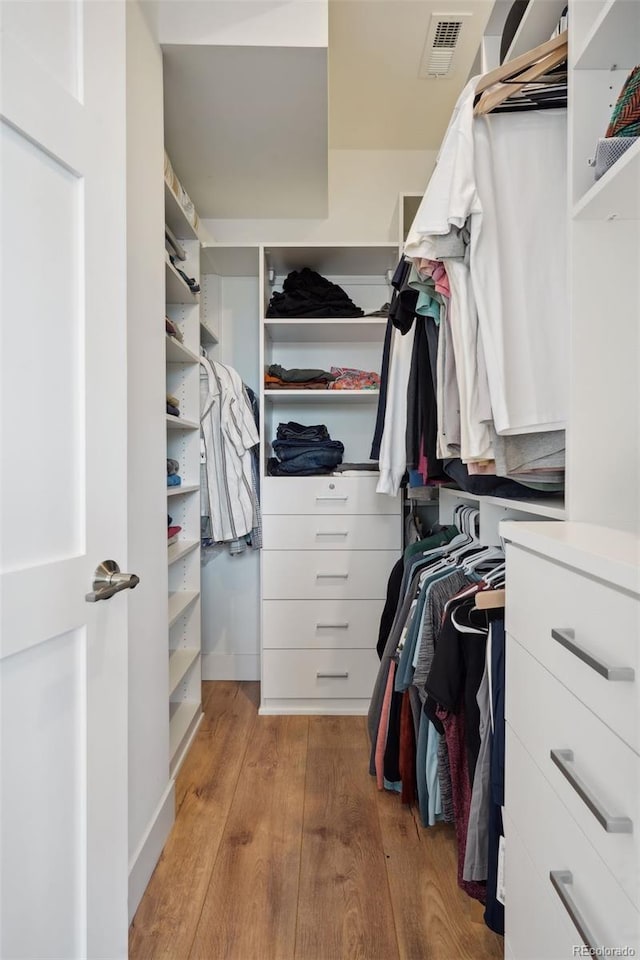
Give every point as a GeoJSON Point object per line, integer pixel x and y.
{"type": "Point", "coordinates": [572, 778]}
{"type": "Point", "coordinates": [360, 531]}
{"type": "Point", "coordinates": [326, 574]}
{"type": "Point", "coordinates": [291, 624]}
{"type": "Point", "coordinates": [585, 632]}
{"type": "Point", "coordinates": [310, 674]}
{"type": "Point", "coordinates": [330, 495]}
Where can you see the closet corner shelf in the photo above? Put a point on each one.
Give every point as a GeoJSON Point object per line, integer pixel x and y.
{"type": "Point", "coordinates": [181, 423]}
{"type": "Point", "coordinates": [179, 603]}
{"type": "Point", "coordinates": [615, 196]}
{"type": "Point", "coordinates": [175, 217]}
{"type": "Point", "coordinates": [181, 549]}
{"type": "Point", "coordinates": [184, 719]}
{"type": "Point", "coordinates": [229, 260]}
{"type": "Point", "coordinates": [552, 508]}
{"type": "Point", "coordinates": [613, 38]}
{"type": "Point", "coordinates": [537, 25]}
{"type": "Point", "coordinates": [177, 291]}
{"type": "Point", "coordinates": [186, 488]}
{"type": "Point", "coordinates": [329, 330]}
{"type": "Point", "coordinates": [180, 662]}
{"type": "Point", "coordinates": [321, 396]}
{"type": "Point", "coordinates": [176, 352]}
{"type": "Point", "coordinates": [207, 335]}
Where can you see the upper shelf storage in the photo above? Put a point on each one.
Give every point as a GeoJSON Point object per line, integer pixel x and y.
{"type": "Point", "coordinates": [614, 38]}
{"type": "Point", "coordinates": [538, 23]}
{"type": "Point", "coordinates": [175, 217]}
{"type": "Point", "coordinates": [362, 259]}
{"type": "Point", "coordinates": [229, 260]}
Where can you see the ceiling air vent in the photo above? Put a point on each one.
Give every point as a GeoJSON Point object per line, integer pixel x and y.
{"type": "Point", "coordinates": [443, 38]}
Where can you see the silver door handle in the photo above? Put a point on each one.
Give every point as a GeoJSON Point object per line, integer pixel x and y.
{"type": "Point", "coordinates": [107, 580]}
{"type": "Point", "coordinates": [332, 533]}
{"type": "Point", "coordinates": [562, 758]}
{"type": "Point", "coordinates": [566, 639]}
{"type": "Point", "coordinates": [326, 676]}
{"type": "Point", "coordinates": [332, 626]}
{"type": "Point", "coordinates": [332, 576]}
{"type": "Point", "coordinates": [333, 498]}
{"type": "Point", "coordinates": [561, 879]}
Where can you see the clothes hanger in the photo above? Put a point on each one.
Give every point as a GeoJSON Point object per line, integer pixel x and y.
{"type": "Point", "coordinates": [511, 78]}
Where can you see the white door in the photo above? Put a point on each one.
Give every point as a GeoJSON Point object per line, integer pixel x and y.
{"type": "Point", "coordinates": [63, 446]}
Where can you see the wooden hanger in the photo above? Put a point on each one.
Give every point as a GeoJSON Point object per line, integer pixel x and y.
{"type": "Point", "coordinates": [514, 76]}
{"type": "Point", "coordinates": [490, 599]}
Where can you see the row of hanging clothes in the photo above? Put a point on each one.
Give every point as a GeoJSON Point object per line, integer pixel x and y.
{"type": "Point", "coordinates": [436, 720]}
{"type": "Point", "coordinates": [474, 385]}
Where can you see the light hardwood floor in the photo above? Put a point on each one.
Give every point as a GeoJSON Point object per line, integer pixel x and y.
{"type": "Point", "coordinates": [283, 849]}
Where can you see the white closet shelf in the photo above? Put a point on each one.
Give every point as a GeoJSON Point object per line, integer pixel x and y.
{"type": "Point", "coordinates": [207, 335]}
{"type": "Point", "coordinates": [348, 259]}
{"type": "Point", "coordinates": [538, 23]}
{"type": "Point", "coordinates": [181, 423]}
{"type": "Point", "coordinates": [322, 396]}
{"type": "Point", "coordinates": [176, 352]}
{"type": "Point", "coordinates": [179, 602]}
{"type": "Point", "coordinates": [331, 330]}
{"type": "Point", "coordinates": [175, 217]}
{"type": "Point", "coordinates": [177, 291]}
{"type": "Point", "coordinates": [181, 549]}
{"type": "Point", "coordinates": [552, 508]}
{"type": "Point", "coordinates": [180, 662]}
{"type": "Point", "coordinates": [615, 196]}
{"type": "Point", "coordinates": [184, 717]}
{"type": "Point", "coordinates": [180, 491]}
{"type": "Point", "coordinates": [230, 260]}
{"type": "Point", "coordinates": [617, 28]}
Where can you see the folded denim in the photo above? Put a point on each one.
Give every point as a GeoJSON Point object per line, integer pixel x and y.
{"type": "Point", "coordinates": [291, 469]}
{"type": "Point", "coordinates": [297, 431]}
{"type": "Point", "coordinates": [327, 454]}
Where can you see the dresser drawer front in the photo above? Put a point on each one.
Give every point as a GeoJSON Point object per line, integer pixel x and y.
{"type": "Point", "coordinates": [326, 574]}
{"type": "Point", "coordinates": [317, 532]}
{"type": "Point", "coordinates": [545, 596]}
{"type": "Point", "coordinates": [556, 843]}
{"type": "Point", "coordinates": [320, 623]}
{"type": "Point", "coordinates": [325, 495]}
{"type": "Point", "coordinates": [309, 674]}
{"type": "Point", "coordinates": [602, 774]}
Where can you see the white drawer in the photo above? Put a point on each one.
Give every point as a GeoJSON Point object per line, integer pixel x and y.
{"type": "Point", "coordinates": [536, 925]}
{"type": "Point", "coordinates": [320, 623]}
{"type": "Point", "coordinates": [318, 532]}
{"type": "Point", "coordinates": [295, 674]}
{"type": "Point", "coordinates": [546, 717]}
{"type": "Point", "coordinates": [555, 843]}
{"type": "Point", "coordinates": [326, 574]}
{"type": "Point", "coordinates": [544, 596]}
{"type": "Point", "coordinates": [331, 495]}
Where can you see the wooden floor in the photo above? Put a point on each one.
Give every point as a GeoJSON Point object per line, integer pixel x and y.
{"type": "Point", "coordinates": [283, 849]}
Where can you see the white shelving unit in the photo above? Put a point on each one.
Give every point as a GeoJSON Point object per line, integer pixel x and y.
{"type": "Point", "coordinates": [494, 509]}
{"type": "Point", "coordinates": [183, 502]}
{"type": "Point", "coordinates": [538, 23]}
{"type": "Point", "coordinates": [321, 396]}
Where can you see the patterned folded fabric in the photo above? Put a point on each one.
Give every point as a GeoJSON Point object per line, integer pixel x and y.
{"type": "Point", "coordinates": [349, 378]}
{"type": "Point", "coordinates": [625, 119]}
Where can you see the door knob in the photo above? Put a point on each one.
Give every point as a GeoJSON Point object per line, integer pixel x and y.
{"type": "Point", "coordinates": [108, 580]}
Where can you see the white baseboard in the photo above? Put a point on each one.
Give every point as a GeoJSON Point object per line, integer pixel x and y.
{"type": "Point", "coordinates": [143, 862]}
{"type": "Point", "coordinates": [230, 666]}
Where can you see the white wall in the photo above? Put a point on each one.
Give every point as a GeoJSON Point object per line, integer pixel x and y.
{"type": "Point", "coordinates": [363, 201]}
{"type": "Point", "coordinates": [151, 802]}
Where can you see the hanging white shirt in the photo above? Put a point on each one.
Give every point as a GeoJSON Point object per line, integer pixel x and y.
{"type": "Point", "coordinates": [393, 445]}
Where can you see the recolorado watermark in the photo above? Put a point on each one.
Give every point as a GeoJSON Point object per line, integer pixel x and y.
{"type": "Point", "coordinates": [583, 951]}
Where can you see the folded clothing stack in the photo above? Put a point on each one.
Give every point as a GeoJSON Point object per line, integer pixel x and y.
{"type": "Point", "coordinates": [173, 405]}
{"type": "Point", "coordinates": [279, 378]}
{"type": "Point", "coordinates": [350, 378]}
{"type": "Point", "coordinates": [306, 294]}
{"type": "Point", "coordinates": [173, 478]}
{"type": "Point", "coordinates": [304, 451]}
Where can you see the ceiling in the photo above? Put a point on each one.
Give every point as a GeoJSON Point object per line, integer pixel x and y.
{"type": "Point", "coordinates": [248, 129]}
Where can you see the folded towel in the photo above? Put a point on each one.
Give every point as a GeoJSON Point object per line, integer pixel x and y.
{"type": "Point", "coordinates": [174, 480]}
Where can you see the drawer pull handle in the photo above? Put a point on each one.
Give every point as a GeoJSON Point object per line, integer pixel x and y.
{"type": "Point", "coordinates": [561, 879]}
{"type": "Point", "coordinates": [562, 758]}
{"type": "Point", "coordinates": [332, 533]}
{"type": "Point", "coordinates": [566, 638]}
{"type": "Point", "coordinates": [344, 499]}
{"type": "Point", "coordinates": [332, 626]}
{"type": "Point", "coordinates": [332, 576]}
{"type": "Point", "coordinates": [332, 675]}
